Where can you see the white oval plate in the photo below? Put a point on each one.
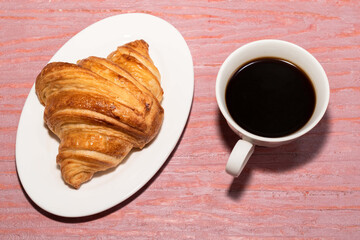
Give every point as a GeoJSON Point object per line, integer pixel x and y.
{"type": "Point", "coordinates": [36, 147]}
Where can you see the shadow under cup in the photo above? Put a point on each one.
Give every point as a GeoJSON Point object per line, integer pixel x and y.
{"type": "Point", "coordinates": [276, 49]}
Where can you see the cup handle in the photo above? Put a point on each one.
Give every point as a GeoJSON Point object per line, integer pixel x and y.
{"type": "Point", "coordinates": [239, 157]}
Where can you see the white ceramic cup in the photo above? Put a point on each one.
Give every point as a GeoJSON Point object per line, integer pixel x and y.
{"type": "Point", "coordinates": [273, 49]}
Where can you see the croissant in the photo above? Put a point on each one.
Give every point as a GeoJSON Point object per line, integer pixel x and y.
{"type": "Point", "coordinates": [134, 58]}
{"type": "Point", "coordinates": [101, 108]}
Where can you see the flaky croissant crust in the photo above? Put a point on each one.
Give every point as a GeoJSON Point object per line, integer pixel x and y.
{"type": "Point", "coordinates": [101, 108]}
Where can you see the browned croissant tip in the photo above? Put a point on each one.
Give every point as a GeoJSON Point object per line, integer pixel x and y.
{"type": "Point", "coordinates": [100, 109]}
{"type": "Point", "coordinates": [134, 57]}
{"type": "Point", "coordinates": [79, 179]}
{"type": "Point", "coordinates": [137, 43]}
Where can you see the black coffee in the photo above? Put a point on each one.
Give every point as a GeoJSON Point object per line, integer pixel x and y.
{"type": "Point", "coordinates": [270, 97]}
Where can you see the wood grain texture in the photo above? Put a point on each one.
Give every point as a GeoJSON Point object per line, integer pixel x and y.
{"type": "Point", "coordinates": [309, 189]}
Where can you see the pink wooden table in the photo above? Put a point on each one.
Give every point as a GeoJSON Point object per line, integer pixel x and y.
{"type": "Point", "coordinates": [307, 189]}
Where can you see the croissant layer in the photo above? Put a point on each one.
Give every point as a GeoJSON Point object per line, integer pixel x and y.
{"type": "Point", "coordinates": [101, 108]}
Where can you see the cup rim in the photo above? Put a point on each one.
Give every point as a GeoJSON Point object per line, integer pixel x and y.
{"type": "Point", "coordinates": [250, 135]}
